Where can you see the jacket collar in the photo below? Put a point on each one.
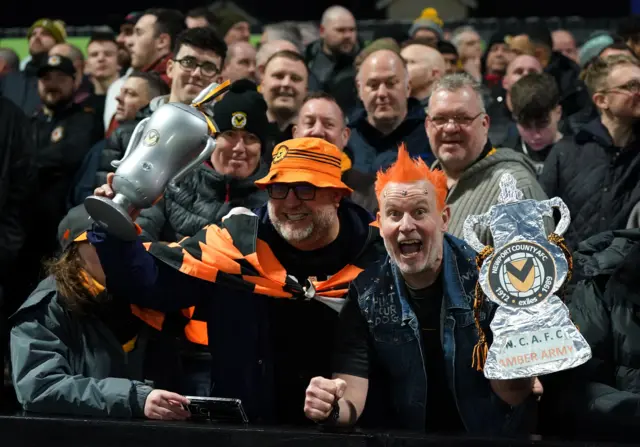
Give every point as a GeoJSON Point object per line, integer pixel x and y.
{"type": "Point", "coordinates": [159, 66]}
{"type": "Point", "coordinates": [457, 275]}
{"type": "Point", "coordinates": [595, 131]}
{"type": "Point", "coordinates": [415, 112]}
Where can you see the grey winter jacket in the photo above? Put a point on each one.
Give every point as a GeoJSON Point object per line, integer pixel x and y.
{"type": "Point", "coordinates": [479, 187]}
{"type": "Point", "coordinates": [65, 364]}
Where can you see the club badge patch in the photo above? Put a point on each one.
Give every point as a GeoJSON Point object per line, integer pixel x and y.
{"type": "Point", "coordinates": [280, 153]}
{"type": "Point", "coordinates": [521, 274]}
{"type": "Point", "coordinates": [239, 120]}
{"type": "Point", "coordinates": [57, 134]}
{"type": "Point", "coordinates": [54, 61]}
{"type": "Point", "coordinates": [151, 138]}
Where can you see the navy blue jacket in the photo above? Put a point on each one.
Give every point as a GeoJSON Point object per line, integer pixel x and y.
{"type": "Point", "coordinates": [371, 151]}
{"type": "Point", "coordinates": [396, 341]}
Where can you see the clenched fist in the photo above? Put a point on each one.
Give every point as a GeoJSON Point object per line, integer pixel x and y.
{"type": "Point", "coordinates": [322, 394]}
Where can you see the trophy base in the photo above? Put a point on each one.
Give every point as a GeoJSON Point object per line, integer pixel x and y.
{"type": "Point", "coordinates": [534, 341]}
{"type": "Point", "coordinates": [111, 217]}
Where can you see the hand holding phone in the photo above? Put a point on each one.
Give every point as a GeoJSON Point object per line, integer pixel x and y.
{"type": "Point", "coordinates": [216, 409]}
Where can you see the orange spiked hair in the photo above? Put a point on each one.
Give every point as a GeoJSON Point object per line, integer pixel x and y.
{"type": "Point", "coordinates": [408, 170]}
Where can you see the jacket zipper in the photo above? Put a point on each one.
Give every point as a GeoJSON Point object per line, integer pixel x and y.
{"type": "Point", "coordinates": [227, 195]}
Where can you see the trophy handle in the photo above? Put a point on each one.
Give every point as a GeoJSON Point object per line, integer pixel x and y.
{"type": "Point", "coordinates": [469, 231]}
{"type": "Point", "coordinates": [565, 215]}
{"type": "Point", "coordinates": [205, 154]}
{"type": "Point", "coordinates": [210, 93]}
{"type": "Point", "coordinates": [133, 142]}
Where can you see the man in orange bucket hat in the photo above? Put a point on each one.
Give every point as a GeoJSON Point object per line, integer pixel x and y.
{"type": "Point", "coordinates": [304, 247]}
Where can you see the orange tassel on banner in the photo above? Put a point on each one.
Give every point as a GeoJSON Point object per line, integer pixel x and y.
{"type": "Point", "coordinates": [481, 349]}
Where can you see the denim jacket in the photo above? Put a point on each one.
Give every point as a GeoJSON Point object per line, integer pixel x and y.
{"type": "Point", "coordinates": [397, 342]}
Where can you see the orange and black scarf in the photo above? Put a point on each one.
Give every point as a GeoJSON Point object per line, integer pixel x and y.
{"type": "Point", "coordinates": [233, 255]}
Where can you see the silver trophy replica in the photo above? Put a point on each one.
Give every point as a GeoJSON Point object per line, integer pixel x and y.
{"type": "Point", "coordinates": [163, 149]}
{"type": "Point", "coordinates": [532, 331]}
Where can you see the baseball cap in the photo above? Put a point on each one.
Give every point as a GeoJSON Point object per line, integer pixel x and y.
{"type": "Point", "coordinates": [132, 18]}
{"type": "Point", "coordinates": [74, 226]}
{"type": "Point", "coordinates": [593, 47]}
{"type": "Point", "coordinates": [60, 63]}
{"type": "Point", "coordinates": [243, 108]}
{"type": "Point", "coordinates": [306, 160]}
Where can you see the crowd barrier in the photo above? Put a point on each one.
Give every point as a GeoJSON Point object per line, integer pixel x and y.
{"type": "Point", "coordinates": [35, 431]}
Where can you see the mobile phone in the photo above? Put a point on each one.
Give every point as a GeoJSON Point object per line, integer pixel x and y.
{"type": "Point", "coordinates": [217, 409]}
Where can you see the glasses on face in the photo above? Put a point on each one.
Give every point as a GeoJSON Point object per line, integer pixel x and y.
{"type": "Point", "coordinates": [302, 191]}
{"type": "Point", "coordinates": [631, 87]}
{"type": "Point", "coordinates": [189, 63]}
{"type": "Point", "coordinates": [460, 120]}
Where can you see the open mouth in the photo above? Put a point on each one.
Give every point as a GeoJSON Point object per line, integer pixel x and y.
{"type": "Point", "coordinates": [285, 94]}
{"type": "Point", "coordinates": [410, 247]}
{"type": "Point", "coordinates": [295, 217]}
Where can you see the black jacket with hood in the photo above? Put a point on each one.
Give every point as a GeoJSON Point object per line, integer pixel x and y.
{"type": "Point", "coordinates": [597, 180]}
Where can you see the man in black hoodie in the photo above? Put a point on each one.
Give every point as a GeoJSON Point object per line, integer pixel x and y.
{"type": "Point", "coordinates": [330, 59]}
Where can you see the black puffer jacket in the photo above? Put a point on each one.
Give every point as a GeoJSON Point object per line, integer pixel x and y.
{"type": "Point", "coordinates": [117, 145]}
{"type": "Point", "coordinates": [602, 397]}
{"type": "Point", "coordinates": [204, 197]}
{"type": "Point", "coordinates": [606, 306]}
{"type": "Point", "coordinates": [597, 181]}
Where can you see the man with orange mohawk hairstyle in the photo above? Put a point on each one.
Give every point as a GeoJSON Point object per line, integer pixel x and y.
{"type": "Point", "coordinates": [413, 313]}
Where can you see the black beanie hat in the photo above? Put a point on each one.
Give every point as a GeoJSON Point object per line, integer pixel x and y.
{"type": "Point", "coordinates": [243, 108]}
{"type": "Point", "coordinates": [499, 36]}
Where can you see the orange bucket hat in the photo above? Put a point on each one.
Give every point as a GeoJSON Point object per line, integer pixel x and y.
{"type": "Point", "coordinates": [306, 160]}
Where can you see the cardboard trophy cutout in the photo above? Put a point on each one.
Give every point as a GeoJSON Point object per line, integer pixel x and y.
{"type": "Point", "coordinates": [532, 331]}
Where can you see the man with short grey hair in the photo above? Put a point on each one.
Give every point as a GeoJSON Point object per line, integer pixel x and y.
{"type": "Point", "coordinates": [457, 125]}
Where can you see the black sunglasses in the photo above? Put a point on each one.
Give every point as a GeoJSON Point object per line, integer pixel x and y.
{"type": "Point", "coordinates": [303, 191]}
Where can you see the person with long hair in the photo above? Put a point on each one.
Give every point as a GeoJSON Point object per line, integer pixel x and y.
{"type": "Point", "coordinates": [78, 350]}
